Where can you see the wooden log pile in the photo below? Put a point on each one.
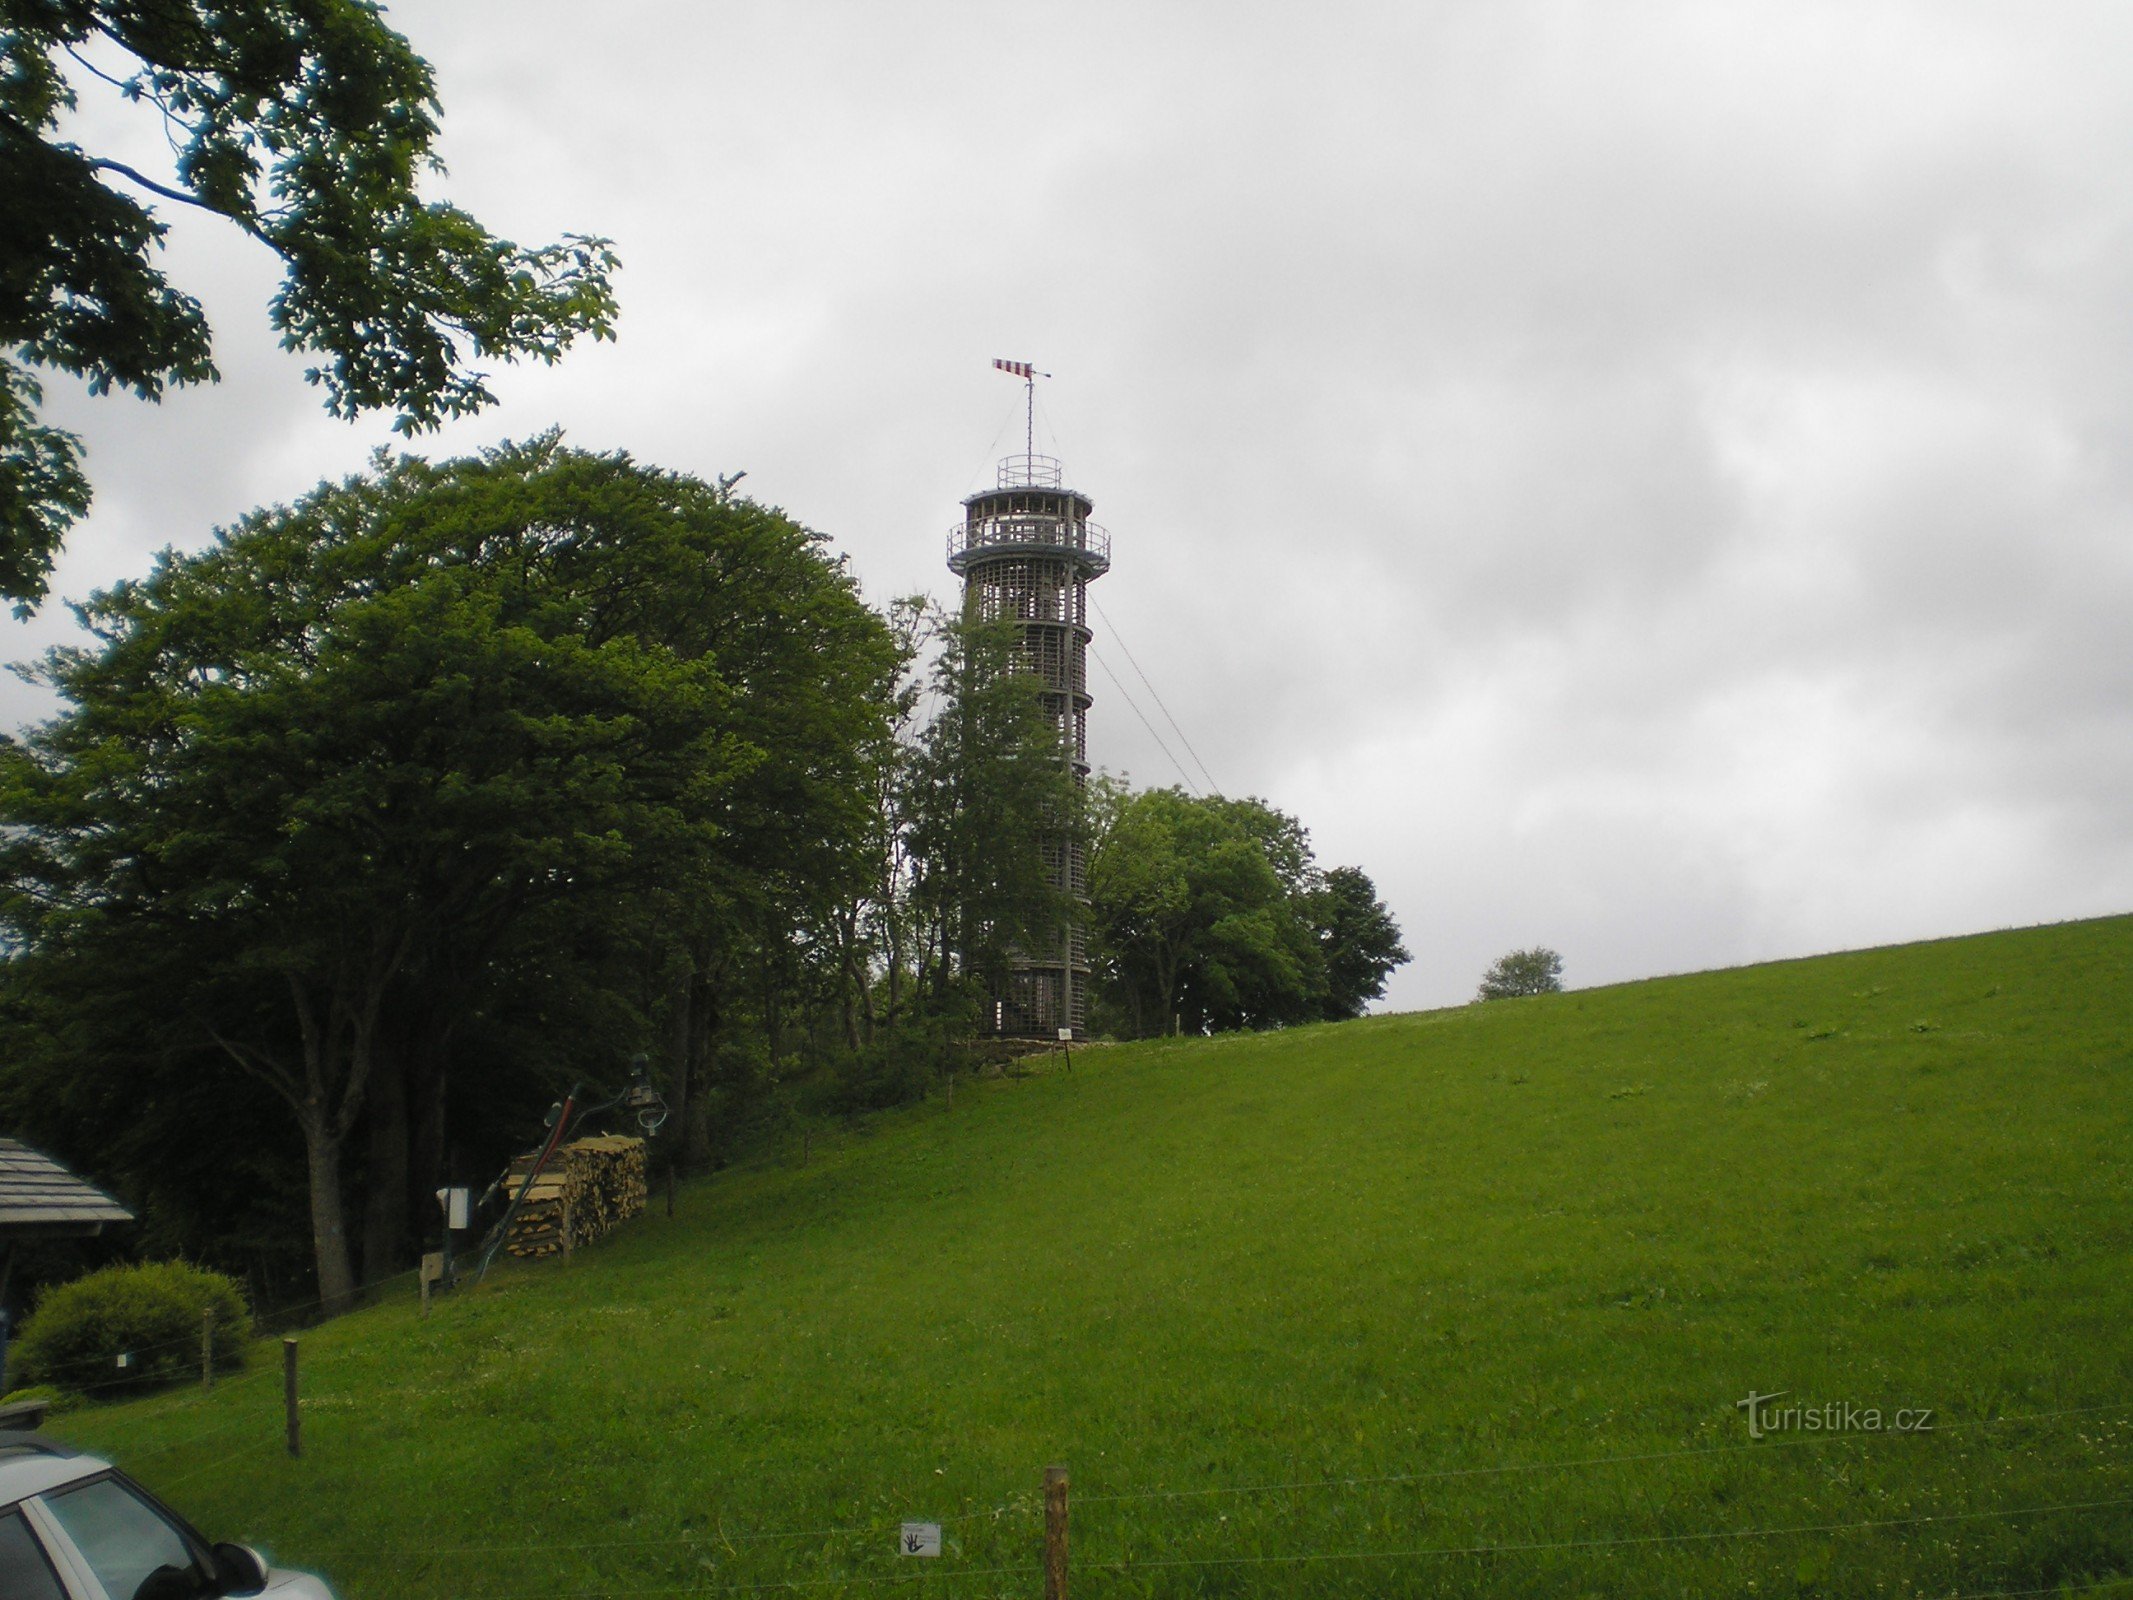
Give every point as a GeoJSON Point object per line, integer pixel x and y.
{"type": "Point", "coordinates": [590, 1187]}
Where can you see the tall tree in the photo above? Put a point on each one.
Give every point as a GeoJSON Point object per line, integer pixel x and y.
{"type": "Point", "coordinates": [1202, 914]}
{"type": "Point", "coordinates": [985, 783]}
{"type": "Point", "coordinates": [376, 761]}
{"type": "Point", "coordinates": [310, 125]}
{"type": "Point", "coordinates": [1357, 939]}
{"type": "Point", "coordinates": [1211, 913]}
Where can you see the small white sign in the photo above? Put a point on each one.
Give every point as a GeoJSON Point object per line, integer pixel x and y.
{"type": "Point", "coordinates": [1066, 1035]}
{"type": "Point", "coordinates": [919, 1539]}
{"type": "Point", "coordinates": [455, 1206]}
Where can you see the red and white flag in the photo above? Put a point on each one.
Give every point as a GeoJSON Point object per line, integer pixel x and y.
{"type": "Point", "coordinates": [1021, 369]}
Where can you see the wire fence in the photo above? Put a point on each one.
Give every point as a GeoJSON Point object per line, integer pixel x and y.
{"type": "Point", "coordinates": [1498, 1469]}
{"type": "Point", "coordinates": [857, 1551]}
{"type": "Point", "coordinates": [1612, 1542]}
{"type": "Point", "coordinates": [855, 1555]}
{"type": "Point", "coordinates": [1424, 1553]}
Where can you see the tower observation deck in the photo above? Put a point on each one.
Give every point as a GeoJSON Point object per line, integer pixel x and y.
{"type": "Point", "coordinates": [1026, 549]}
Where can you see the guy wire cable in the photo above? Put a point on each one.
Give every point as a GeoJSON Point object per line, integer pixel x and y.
{"type": "Point", "coordinates": [1158, 738]}
{"type": "Point", "coordinates": [1213, 787]}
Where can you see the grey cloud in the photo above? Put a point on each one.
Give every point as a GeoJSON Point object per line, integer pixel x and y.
{"type": "Point", "coordinates": [1655, 482]}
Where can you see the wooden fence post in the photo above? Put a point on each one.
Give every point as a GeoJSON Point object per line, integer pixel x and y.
{"type": "Point", "coordinates": [1055, 1533]}
{"type": "Point", "coordinates": [207, 1347]}
{"type": "Point", "coordinates": [288, 1394]}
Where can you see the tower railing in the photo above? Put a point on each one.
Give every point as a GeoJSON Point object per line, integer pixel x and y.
{"type": "Point", "coordinates": [1030, 472]}
{"type": "Point", "coordinates": [969, 541]}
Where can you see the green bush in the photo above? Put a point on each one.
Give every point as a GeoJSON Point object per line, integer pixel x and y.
{"type": "Point", "coordinates": [895, 1070]}
{"type": "Point", "coordinates": [150, 1312]}
{"type": "Point", "coordinates": [60, 1400]}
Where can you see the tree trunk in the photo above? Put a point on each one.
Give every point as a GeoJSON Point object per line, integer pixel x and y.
{"type": "Point", "coordinates": [329, 1231]}
{"type": "Point", "coordinates": [848, 974]}
{"type": "Point", "coordinates": [428, 1078]}
{"type": "Point", "coordinates": [867, 1021]}
{"type": "Point", "coordinates": [703, 1027]}
{"type": "Point", "coordinates": [681, 1037]}
{"type": "Point", "coordinates": [773, 1015]}
{"type": "Point", "coordinates": [385, 1172]}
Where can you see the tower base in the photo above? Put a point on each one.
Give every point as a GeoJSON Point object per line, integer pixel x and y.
{"type": "Point", "coordinates": [1040, 1000]}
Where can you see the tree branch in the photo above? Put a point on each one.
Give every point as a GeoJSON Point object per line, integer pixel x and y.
{"type": "Point", "coordinates": [106, 164]}
{"type": "Point", "coordinates": [257, 1064]}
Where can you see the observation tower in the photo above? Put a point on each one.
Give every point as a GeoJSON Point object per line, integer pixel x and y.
{"type": "Point", "coordinates": [1026, 549]}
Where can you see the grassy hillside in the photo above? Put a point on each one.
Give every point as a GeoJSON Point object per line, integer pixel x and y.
{"type": "Point", "coordinates": [1451, 1303]}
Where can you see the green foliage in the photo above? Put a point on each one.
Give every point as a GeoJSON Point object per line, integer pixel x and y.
{"type": "Point", "coordinates": [982, 786]}
{"type": "Point", "coordinates": [1358, 941]}
{"type": "Point", "coordinates": [212, 1169]}
{"type": "Point", "coordinates": [896, 1068]}
{"type": "Point", "coordinates": [1210, 913]}
{"type": "Point", "coordinates": [309, 127]}
{"type": "Point", "coordinates": [1522, 972]}
{"type": "Point", "coordinates": [59, 1401]}
{"type": "Point", "coordinates": [1421, 1271]}
{"type": "Point", "coordinates": [150, 1310]}
{"type": "Point", "coordinates": [481, 740]}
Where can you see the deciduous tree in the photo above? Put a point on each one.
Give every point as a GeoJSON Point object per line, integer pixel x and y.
{"type": "Point", "coordinates": [399, 752]}
{"type": "Point", "coordinates": [1357, 940]}
{"type": "Point", "coordinates": [1202, 910]}
{"type": "Point", "coordinates": [309, 125]}
{"type": "Point", "coordinates": [984, 783]}
{"type": "Point", "coordinates": [1522, 972]}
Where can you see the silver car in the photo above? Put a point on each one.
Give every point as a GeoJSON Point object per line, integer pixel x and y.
{"type": "Point", "coordinates": [75, 1528]}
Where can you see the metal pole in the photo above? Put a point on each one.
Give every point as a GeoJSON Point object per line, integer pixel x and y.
{"type": "Point", "coordinates": [207, 1347]}
{"type": "Point", "coordinates": [503, 1224]}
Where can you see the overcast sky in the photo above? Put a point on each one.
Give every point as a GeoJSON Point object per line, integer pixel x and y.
{"type": "Point", "coordinates": [1650, 480]}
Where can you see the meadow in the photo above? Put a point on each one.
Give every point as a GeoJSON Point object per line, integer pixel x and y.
{"type": "Point", "coordinates": [1455, 1303]}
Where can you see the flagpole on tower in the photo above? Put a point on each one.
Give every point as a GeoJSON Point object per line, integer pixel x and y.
{"type": "Point", "coordinates": [1029, 376]}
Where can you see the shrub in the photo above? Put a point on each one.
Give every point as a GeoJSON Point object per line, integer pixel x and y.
{"type": "Point", "coordinates": [59, 1400]}
{"type": "Point", "coordinates": [895, 1070]}
{"type": "Point", "coordinates": [151, 1311]}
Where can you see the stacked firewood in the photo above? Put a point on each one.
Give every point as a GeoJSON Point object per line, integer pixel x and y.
{"type": "Point", "coordinates": [589, 1187]}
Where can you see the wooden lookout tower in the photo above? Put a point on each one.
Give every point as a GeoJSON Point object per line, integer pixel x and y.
{"type": "Point", "coordinates": [1026, 549]}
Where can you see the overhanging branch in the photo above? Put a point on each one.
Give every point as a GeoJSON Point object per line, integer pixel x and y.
{"type": "Point", "coordinates": [106, 164]}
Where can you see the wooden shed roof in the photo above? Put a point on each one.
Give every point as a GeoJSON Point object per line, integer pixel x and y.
{"type": "Point", "coordinates": [39, 1196]}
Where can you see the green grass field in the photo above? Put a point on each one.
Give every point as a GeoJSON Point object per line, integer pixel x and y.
{"type": "Point", "coordinates": [1452, 1303]}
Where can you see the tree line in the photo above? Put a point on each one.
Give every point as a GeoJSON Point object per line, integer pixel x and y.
{"type": "Point", "coordinates": [365, 831]}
